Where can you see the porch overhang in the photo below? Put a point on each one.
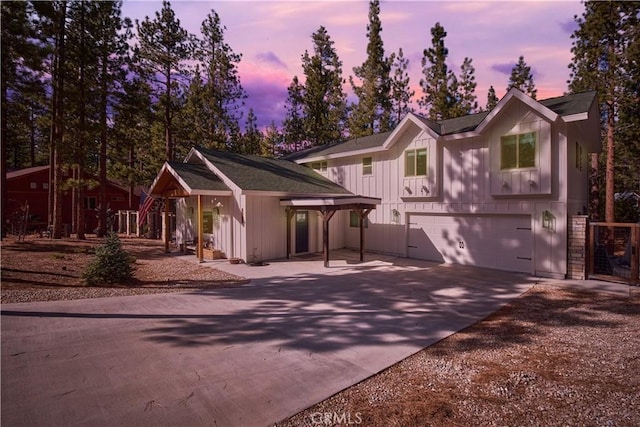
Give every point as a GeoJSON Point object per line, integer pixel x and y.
{"type": "Point", "coordinates": [328, 206]}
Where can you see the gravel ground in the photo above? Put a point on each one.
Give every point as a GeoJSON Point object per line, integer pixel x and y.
{"type": "Point", "coordinates": [555, 356]}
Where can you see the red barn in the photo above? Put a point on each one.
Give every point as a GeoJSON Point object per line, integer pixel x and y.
{"type": "Point", "coordinates": [31, 185]}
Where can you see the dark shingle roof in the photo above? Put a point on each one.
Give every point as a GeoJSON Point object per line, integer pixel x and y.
{"type": "Point", "coordinates": [255, 173]}
{"type": "Point", "coordinates": [362, 143]}
{"type": "Point", "coordinates": [570, 104]}
{"type": "Point", "coordinates": [198, 177]}
{"type": "Point", "coordinates": [563, 105]}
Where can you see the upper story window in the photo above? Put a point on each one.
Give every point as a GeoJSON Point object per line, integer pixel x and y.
{"type": "Point", "coordinates": [415, 162]}
{"type": "Point", "coordinates": [90, 202]}
{"type": "Point", "coordinates": [319, 166]}
{"type": "Point", "coordinates": [518, 151]}
{"type": "Point", "coordinates": [367, 166]}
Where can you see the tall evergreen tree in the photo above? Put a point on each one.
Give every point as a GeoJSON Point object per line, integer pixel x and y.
{"type": "Point", "coordinates": [492, 99]}
{"type": "Point", "coordinates": [372, 113]}
{"type": "Point", "coordinates": [271, 141]}
{"type": "Point", "coordinates": [439, 84]}
{"type": "Point", "coordinates": [21, 59]}
{"type": "Point", "coordinates": [467, 99]}
{"type": "Point", "coordinates": [252, 138]}
{"type": "Point", "coordinates": [605, 58]}
{"type": "Point", "coordinates": [163, 48]}
{"type": "Point", "coordinates": [521, 78]}
{"type": "Point", "coordinates": [324, 99]}
{"type": "Point", "coordinates": [132, 121]}
{"type": "Point", "coordinates": [223, 92]}
{"type": "Point", "coordinates": [293, 124]}
{"type": "Point", "coordinates": [401, 92]}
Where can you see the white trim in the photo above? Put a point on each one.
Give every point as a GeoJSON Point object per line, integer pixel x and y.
{"type": "Point", "coordinates": [340, 155]}
{"type": "Point", "coordinates": [578, 117]}
{"type": "Point", "coordinates": [331, 201]}
{"type": "Point", "coordinates": [392, 138]}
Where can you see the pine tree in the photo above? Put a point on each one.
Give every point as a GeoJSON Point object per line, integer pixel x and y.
{"type": "Point", "coordinates": [439, 84]}
{"type": "Point", "coordinates": [20, 60]}
{"type": "Point", "coordinates": [252, 137]}
{"type": "Point", "coordinates": [161, 54]}
{"type": "Point", "coordinates": [401, 92]}
{"type": "Point", "coordinates": [608, 36]}
{"type": "Point", "coordinates": [223, 92]}
{"type": "Point", "coordinates": [372, 113]}
{"type": "Point", "coordinates": [467, 100]}
{"type": "Point", "coordinates": [271, 141]}
{"type": "Point", "coordinates": [324, 99]}
{"type": "Point", "coordinates": [522, 79]}
{"type": "Point", "coordinates": [492, 99]}
{"type": "Point", "coordinates": [293, 123]}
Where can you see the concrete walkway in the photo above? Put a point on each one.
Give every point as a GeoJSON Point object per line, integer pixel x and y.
{"type": "Point", "coordinates": [247, 356]}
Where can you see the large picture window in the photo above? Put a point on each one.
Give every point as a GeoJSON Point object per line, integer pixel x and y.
{"type": "Point", "coordinates": [518, 151]}
{"type": "Point", "coordinates": [415, 162]}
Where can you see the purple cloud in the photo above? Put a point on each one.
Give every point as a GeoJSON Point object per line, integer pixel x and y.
{"type": "Point", "coordinates": [569, 27]}
{"type": "Point", "coordinates": [272, 59]}
{"type": "Point", "coordinates": [504, 68]}
{"type": "Point", "coordinates": [267, 98]}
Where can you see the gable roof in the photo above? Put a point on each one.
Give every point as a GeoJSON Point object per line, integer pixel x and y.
{"type": "Point", "coordinates": [564, 106]}
{"type": "Point", "coordinates": [256, 173]}
{"type": "Point", "coordinates": [198, 177]}
{"type": "Point", "coordinates": [26, 171]}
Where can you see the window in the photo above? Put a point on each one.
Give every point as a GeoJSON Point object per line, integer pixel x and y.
{"type": "Point", "coordinates": [367, 166]}
{"type": "Point", "coordinates": [518, 151]}
{"type": "Point", "coordinates": [117, 198]}
{"type": "Point", "coordinates": [353, 220]}
{"type": "Point", "coordinates": [33, 185]}
{"type": "Point", "coordinates": [415, 162]}
{"type": "Point", "coordinates": [319, 166]}
{"type": "Point", "coordinates": [90, 203]}
{"type": "Point", "coordinates": [45, 185]}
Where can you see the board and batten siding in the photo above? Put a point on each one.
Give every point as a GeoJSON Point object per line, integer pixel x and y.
{"type": "Point", "coordinates": [464, 177]}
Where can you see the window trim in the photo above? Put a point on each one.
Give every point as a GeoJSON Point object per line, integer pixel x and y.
{"type": "Point", "coordinates": [320, 166]}
{"type": "Point", "coordinates": [367, 169]}
{"type": "Point", "coordinates": [415, 152]}
{"type": "Point", "coordinates": [518, 136]}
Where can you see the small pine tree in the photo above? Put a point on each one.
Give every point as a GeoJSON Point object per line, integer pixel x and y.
{"type": "Point", "coordinates": [112, 264]}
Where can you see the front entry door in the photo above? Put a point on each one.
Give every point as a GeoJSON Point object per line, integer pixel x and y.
{"type": "Point", "coordinates": [302, 232]}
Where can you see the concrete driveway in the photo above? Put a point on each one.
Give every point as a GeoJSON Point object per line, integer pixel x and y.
{"type": "Point", "coordinates": [247, 356]}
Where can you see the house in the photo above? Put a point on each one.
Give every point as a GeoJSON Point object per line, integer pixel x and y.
{"type": "Point", "coordinates": [493, 189]}
{"type": "Point", "coordinates": [31, 186]}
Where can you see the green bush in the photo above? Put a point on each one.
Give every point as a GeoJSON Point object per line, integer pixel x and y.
{"type": "Point", "coordinates": [112, 264]}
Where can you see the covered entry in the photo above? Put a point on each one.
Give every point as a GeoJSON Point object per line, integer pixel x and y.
{"type": "Point", "coordinates": [328, 206]}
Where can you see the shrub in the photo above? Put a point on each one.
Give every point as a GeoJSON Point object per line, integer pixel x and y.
{"type": "Point", "coordinates": [112, 264]}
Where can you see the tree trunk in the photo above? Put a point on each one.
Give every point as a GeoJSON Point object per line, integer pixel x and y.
{"type": "Point", "coordinates": [594, 189]}
{"type": "Point", "coordinates": [167, 120]}
{"type": "Point", "coordinates": [102, 221]}
{"type": "Point", "coordinates": [79, 152]}
{"type": "Point", "coordinates": [609, 212]}
{"type": "Point", "coordinates": [58, 126]}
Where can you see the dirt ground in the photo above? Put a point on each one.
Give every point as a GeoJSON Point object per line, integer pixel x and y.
{"type": "Point", "coordinates": [555, 356]}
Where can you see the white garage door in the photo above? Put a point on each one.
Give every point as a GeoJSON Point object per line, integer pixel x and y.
{"type": "Point", "coordinates": [503, 242]}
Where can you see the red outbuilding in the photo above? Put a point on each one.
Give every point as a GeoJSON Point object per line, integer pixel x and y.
{"type": "Point", "coordinates": [30, 187]}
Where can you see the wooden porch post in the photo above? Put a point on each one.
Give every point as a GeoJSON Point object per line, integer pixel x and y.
{"type": "Point", "coordinates": [199, 251]}
{"type": "Point", "coordinates": [290, 213]}
{"type": "Point", "coordinates": [167, 225]}
{"type": "Point", "coordinates": [362, 215]}
{"type": "Point", "coordinates": [326, 217]}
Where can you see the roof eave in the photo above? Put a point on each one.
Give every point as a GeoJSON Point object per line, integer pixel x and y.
{"type": "Point", "coordinates": [339, 155]}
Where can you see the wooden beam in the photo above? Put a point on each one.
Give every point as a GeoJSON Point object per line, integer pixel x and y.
{"type": "Point", "coordinates": [362, 215]}
{"type": "Point", "coordinates": [199, 248]}
{"type": "Point", "coordinates": [326, 217]}
{"type": "Point", "coordinates": [167, 225]}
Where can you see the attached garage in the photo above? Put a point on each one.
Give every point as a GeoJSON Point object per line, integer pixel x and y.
{"type": "Point", "coordinates": [502, 242]}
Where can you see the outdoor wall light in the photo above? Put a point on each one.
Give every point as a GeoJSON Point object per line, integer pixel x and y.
{"type": "Point", "coordinates": [218, 206]}
{"type": "Point", "coordinates": [547, 220]}
{"type": "Point", "coordinates": [395, 216]}
{"type": "Point", "coordinates": [424, 189]}
{"type": "Point", "coordinates": [407, 189]}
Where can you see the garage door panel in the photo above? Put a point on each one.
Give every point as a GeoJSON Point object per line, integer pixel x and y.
{"type": "Point", "coordinates": [493, 241]}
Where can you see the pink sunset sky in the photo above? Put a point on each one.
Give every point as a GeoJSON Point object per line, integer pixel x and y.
{"type": "Point", "coordinates": [273, 35]}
